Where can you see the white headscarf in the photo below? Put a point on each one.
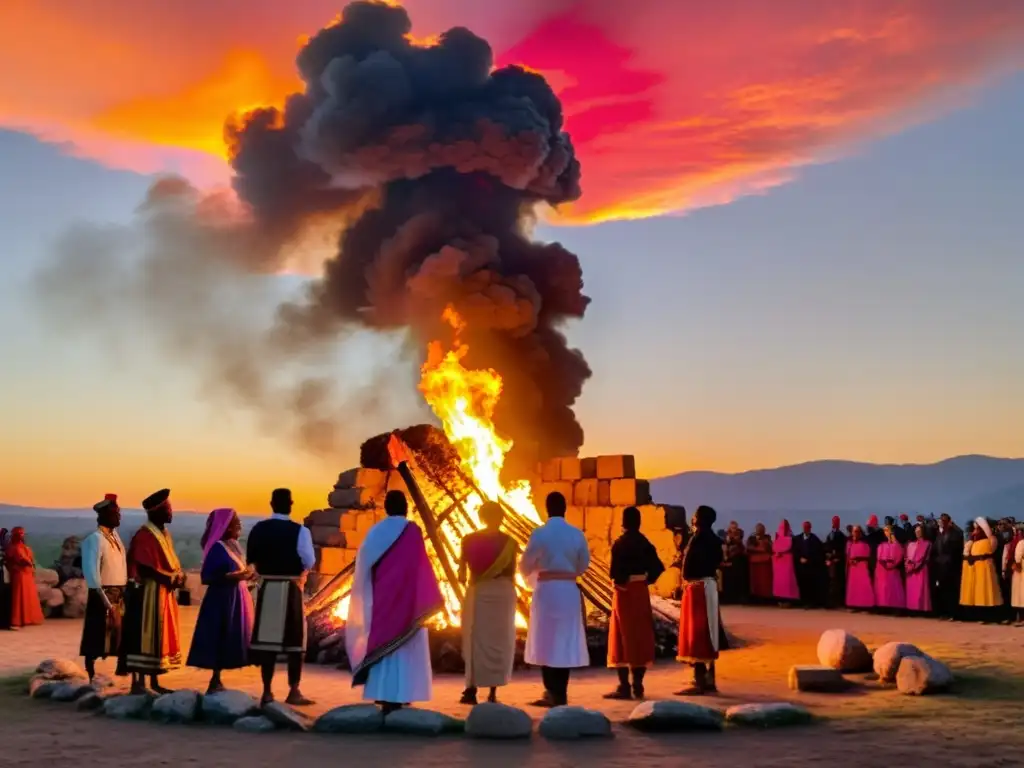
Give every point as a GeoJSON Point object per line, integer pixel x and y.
{"type": "Point", "coordinates": [983, 524]}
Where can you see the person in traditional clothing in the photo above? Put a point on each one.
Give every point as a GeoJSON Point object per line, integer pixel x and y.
{"type": "Point", "coordinates": [105, 568]}
{"type": "Point", "coordinates": [874, 536]}
{"type": "Point", "coordinates": [394, 594]}
{"type": "Point", "coordinates": [226, 615]}
{"type": "Point", "coordinates": [809, 565]}
{"type": "Point", "coordinates": [488, 563]}
{"type": "Point", "coordinates": [21, 564]}
{"type": "Point", "coordinates": [281, 551]}
{"type": "Point", "coordinates": [917, 565]}
{"type": "Point", "coordinates": [946, 567]}
{"type": "Point", "coordinates": [556, 556]}
{"type": "Point", "coordinates": [835, 564]}
{"type": "Point", "coordinates": [151, 638]}
{"type": "Point", "coordinates": [860, 593]}
{"type": "Point", "coordinates": [979, 589]}
{"type": "Point", "coordinates": [759, 559]}
{"type": "Point", "coordinates": [1017, 574]}
{"type": "Point", "coordinates": [5, 583]}
{"type": "Point", "coordinates": [700, 625]}
{"type": "Point", "coordinates": [889, 592]}
{"type": "Point", "coordinates": [784, 584]}
{"type": "Point", "coordinates": [734, 569]}
{"type": "Point", "coordinates": [635, 566]}
{"type": "Point", "coordinates": [904, 530]}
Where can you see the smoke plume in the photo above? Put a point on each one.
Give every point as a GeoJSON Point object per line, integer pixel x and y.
{"type": "Point", "coordinates": [429, 165]}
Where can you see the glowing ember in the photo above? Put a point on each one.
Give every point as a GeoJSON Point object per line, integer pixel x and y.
{"type": "Point", "coordinates": [464, 401]}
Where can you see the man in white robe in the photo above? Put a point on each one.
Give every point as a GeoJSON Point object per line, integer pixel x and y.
{"type": "Point", "coordinates": [394, 593]}
{"type": "Point", "coordinates": [555, 557]}
{"type": "Point", "coordinates": [105, 568]}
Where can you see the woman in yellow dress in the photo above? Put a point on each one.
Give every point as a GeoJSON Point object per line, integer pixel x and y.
{"type": "Point", "coordinates": [979, 588]}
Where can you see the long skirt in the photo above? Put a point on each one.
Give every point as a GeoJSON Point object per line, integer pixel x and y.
{"type": "Point", "coordinates": [859, 591]}
{"type": "Point", "coordinates": [631, 629]}
{"type": "Point", "coordinates": [889, 592]}
{"type": "Point", "coordinates": [489, 633]}
{"type": "Point", "coordinates": [699, 623]}
{"type": "Point", "coordinates": [151, 642]}
{"type": "Point", "coordinates": [761, 579]}
{"type": "Point", "coordinates": [404, 675]}
{"type": "Point", "coordinates": [101, 631]}
{"type": "Point", "coordinates": [223, 628]}
{"type": "Point", "coordinates": [919, 592]}
{"type": "Point", "coordinates": [280, 625]}
{"type": "Point", "coordinates": [26, 609]}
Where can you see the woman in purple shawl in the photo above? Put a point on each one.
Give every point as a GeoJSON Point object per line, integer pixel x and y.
{"type": "Point", "coordinates": [784, 585]}
{"type": "Point", "coordinates": [224, 626]}
{"type": "Point", "coordinates": [889, 591]}
{"type": "Point", "coordinates": [919, 593]}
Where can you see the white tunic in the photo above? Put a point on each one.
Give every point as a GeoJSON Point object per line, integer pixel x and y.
{"type": "Point", "coordinates": [556, 636]}
{"type": "Point", "coordinates": [104, 564]}
{"type": "Point", "coordinates": [1017, 582]}
{"type": "Point", "coordinates": [403, 676]}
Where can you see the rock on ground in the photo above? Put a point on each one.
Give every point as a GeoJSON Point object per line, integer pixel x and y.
{"type": "Point", "coordinates": [130, 707]}
{"type": "Point", "coordinates": [47, 576]}
{"type": "Point", "coordinates": [768, 715]}
{"type": "Point", "coordinates": [674, 716]}
{"type": "Point", "coordinates": [840, 650]}
{"type": "Point", "coordinates": [814, 679]}
{"type": "Point", "coordinates": [60, 669]}
{"type": "Point", "coordinates": [888, 658]}
{"type": "Point", "coordinates": [570, 723]}
{"type": "Point", "coordinates": [493, 720]}
{"type": "Point", "coordinates": [351, 718]}
{"type": "Point", "coordinates": [254, 724]}
{"type": "Point", "coordinates": [225, 707]}
{"type": "Point", "coordinates": [422, 722]}
{"type": "Point", "coordinates": [919, 675]}
{"type": "Point", "coordinates": [176, 707]}
{"type": "Point", "coordinates": [286, 718]}
{"type": "Point", "coordinates": [71, 690]}
{"type": "Point", "coordinates": [76, 591]}
{"type": "Point", "coordinates": [90, 702]}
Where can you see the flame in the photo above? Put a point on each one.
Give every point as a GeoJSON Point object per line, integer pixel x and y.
{"type": "Point", "coordinates": [464, 400]}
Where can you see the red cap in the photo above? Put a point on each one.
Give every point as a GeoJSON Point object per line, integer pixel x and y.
{"type": "Point", "coordinates": [904, 518]}
{"type": "Point", "coordinates": [873, 521]}
{"type": "Point", "coordinates": [807, 527]}
{"type": "Point", "coordinates": [110, 497]}
{"type": "Point", "coordinates": [835, 521]}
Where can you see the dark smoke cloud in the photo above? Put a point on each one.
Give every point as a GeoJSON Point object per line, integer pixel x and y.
{"type": "Point", "coordinates": [430, 166]}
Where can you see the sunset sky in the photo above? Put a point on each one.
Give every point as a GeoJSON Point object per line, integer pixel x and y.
{"type": "Point", "coordinates": [800, 229]}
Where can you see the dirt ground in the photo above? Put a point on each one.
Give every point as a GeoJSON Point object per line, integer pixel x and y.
{"type": "Point", "coordinates": [869, 726]}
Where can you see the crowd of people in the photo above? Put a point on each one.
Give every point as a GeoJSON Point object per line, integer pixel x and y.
{"type": "Point", "coordinates": [132, 613]}
{"type": "Point", "coordinates": [930, 567]}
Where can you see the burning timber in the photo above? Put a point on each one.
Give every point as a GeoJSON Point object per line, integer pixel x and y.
{"type": "Point", "coordinates": [445, 500]}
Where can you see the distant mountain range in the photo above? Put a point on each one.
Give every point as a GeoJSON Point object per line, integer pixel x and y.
{"type": "Point", "coordinates": [965, 486]}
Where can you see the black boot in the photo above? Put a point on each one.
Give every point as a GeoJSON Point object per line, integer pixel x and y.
{"type": "Point", "coordinates": [468, 695]}
{"type": "Point", "coordinates": [699, 682]}
{"type": "Point", "coordinates": [622, 692]}
{"type": "Point", "coordinates": [709, 679]}
{"type": "Point", "coordinates": [638, 683]}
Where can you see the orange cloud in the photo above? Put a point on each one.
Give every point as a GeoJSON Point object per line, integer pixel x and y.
{"type": "Point", "coordinates": [671, 105]}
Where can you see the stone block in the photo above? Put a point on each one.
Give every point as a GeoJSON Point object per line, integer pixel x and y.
{"type": "Point", "coordinates": [604, 493]}
{"type": "Point", "coordinates": [653, 518]}
{"type": "Point", "coordinates": [360, 477]}
{"type": "Point", "coordinates": [816, 679]}
{"type": "Point", "coordinates": [396, 483]}
{"type": "Point", "coordinates": [585, 493]}
{"type": "Point", "coordinates": [629, 492]}
{"type": "Point", "coordinates": [327, 536]}
{"type": "Point", "coordinates": [354, 539]}
{"type": "Point", "coordinates": [667, 583]}
{"type": "Point", "coordinates": [348, 523]}
{"type": "Point", "coordinates": [588, 468]}
{"type": "Point", "coordinates": [888, 657]}
{"type": "Point", "coordinates": [598, 523]}
{"type": "Point", "coordinates": [664, 542]}
{"type": "Point", "coordinates": [551, 471]}
{"type": "Point", "coordinates": [331, 560]}
{"type": "Point", "coordinates": [576, 516]}
{"type": "Point", "coordinates": [600, 549]}
{"type": "Point", "coordinates": [571, 469]}
{"type": "Point", "coordinates": [919, 675]}
{"type": "Point", "coordinates": [840, 650]}
{"type": "Point", "coordinates": [328, 518]}
{"type": "Point", "coordinates": [540, 494]}
{"type": "Point", "coordinates": [614, 467]}
{"type": "Point", "coordinates": [365, 520]}
{"type": "Point", "coordinates": [353, 498]}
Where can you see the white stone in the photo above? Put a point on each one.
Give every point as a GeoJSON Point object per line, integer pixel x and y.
{"type": "Point", "coordinates": [224, 707]}
{"type": "Point", "coordinates": [774, 715]}
{"type": "Point", "coordinates": [130, 707]}
{"type": "Point", "coordinates": [816, 679]}
{"type": "Point", "coordinates": [60, 669]}
{"type": "Point", "coordinates": [76, 592]}
{"type": "Point", "coordinates": [46, 576]}
{"type": "Point", "coordinates": [351, 718]}
{"type": "Point", "coordinates": [920, 675]}
{"type": "Point", "coordinates": [840, 650]}
{"type": "Point", "coordinates": [286, 718]}
{"type": "Point", "coordinates": [888, 657]}
{"type": "Point", "coordinates": [254, 724]}
{"type": "Point", "coordinates": [71, 690]}
{"type": "Point", "coordinates": [176, 707]}
{"type": "Point", "coordinates": [421, 722]}
{"type": "Point", "coordinates": [493, 720]}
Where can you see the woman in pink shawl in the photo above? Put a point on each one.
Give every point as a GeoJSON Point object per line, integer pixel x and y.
{"type": "Point", "coordinates": [888, 573]}
{"type": "Point", "coordinates": [859, 591]}
{"type": "Point", "coordinates": [919, 593]}
{"type": "Point", "coordinates": [224, 626]}
{"type": "Point", "coordinates": [784, 585]}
